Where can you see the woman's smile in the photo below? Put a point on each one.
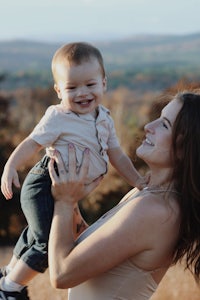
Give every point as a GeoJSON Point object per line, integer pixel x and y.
{"type": "Point", "coordinates": [148, 141]}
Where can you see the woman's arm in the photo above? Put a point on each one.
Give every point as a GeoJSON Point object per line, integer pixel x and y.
{"type": "Point", "coordinates": [79, 223]}
{"type": "Point", "coordinates": [125, 235]}
{"type": "Point", "coordinates": [67, 190]}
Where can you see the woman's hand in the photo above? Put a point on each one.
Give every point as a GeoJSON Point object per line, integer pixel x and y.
{"type": "Point", "coordinates": [70, 186]}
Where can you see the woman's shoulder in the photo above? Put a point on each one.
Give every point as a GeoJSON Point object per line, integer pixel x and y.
{"type": "Point", "coordinates": [156, 207]}
{"type": "Point", "coordinates": [146, 220]}
{"type": "Point", "coordinates": [158, 215]}
{"type": "Point", "coordinates": [161, 202]}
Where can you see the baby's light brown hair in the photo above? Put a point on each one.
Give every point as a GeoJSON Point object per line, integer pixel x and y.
{"type": "Point", "coordinates": [76, 53]}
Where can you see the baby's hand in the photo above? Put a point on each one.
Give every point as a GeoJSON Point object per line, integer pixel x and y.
{"type": "Point", "coordinates": [142, 182]}
{"type": "Point", "coordinates": [8, 178]}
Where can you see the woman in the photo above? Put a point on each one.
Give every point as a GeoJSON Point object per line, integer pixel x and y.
{"type": "Point", "coordinates": [125, 254]}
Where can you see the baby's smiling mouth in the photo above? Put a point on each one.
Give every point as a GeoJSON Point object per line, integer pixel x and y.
{"type": "Point", "coordinates": [84, 102]}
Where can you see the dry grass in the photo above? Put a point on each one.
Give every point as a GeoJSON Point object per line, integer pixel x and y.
{"type": "Point", "coordinates": [176, 285]}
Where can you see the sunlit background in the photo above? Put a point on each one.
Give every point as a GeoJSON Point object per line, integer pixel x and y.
{"type": "Point", "coordinates": [149, 47]}
{"type": "Point", "coordinates": [58, 20]}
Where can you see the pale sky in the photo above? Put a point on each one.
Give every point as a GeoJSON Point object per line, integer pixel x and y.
{"type": "Point", "coordinates": [57, 20]}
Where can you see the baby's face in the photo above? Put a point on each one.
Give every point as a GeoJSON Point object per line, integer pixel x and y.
{"type": "Point", "coordinates": [80, 87]}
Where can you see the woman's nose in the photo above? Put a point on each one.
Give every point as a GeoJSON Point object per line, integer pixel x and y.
{"type": "Point", "coordinates": [149, 127]}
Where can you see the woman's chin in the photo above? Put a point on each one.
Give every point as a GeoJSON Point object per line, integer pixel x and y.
{"type": "Point", "coordinates": [139, 151]}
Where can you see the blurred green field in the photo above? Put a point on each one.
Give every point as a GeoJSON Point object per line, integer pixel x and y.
{"type": "Point", "coordinates": [176, 285]}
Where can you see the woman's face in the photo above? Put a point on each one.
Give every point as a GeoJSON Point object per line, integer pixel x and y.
{"type": "Point", "coordinates": [156, 149]}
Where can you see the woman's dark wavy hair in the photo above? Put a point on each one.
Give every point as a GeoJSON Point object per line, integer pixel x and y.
{"type": "Point", "coordinates": [186, 152]}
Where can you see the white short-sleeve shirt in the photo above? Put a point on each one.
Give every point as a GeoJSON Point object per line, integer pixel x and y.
{"type": "Point", "coordinates": [59, 127]}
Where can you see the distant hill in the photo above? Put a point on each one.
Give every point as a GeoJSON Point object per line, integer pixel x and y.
{"type": "Point", "coordinates": [153, 50]}
{"type": "Point", "coordinates": [22, 55]}
{"type": "Point", "coordinates": [138, 51]}
{"type": "Point", "coordinates": [174, 56]}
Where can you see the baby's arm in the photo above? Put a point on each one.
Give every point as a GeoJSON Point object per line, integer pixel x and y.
{"type": "Point", "coordinates": [24, 151]}
{"type": "Point", "coordinates": [123, 164]}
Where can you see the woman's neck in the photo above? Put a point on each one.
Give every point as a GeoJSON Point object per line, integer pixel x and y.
{"type": "Point", "coordinates": [160, 180]}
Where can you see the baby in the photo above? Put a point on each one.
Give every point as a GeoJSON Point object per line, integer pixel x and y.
{"type": "Point", "coordinates": [79, 119]}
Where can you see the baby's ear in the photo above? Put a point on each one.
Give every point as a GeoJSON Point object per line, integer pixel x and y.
{"type": "Point", "coordinates": [57, 89]}
{"type": "Point", "coordinates": [105, 83]}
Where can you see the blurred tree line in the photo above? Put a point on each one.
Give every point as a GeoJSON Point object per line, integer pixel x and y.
{"type": "Point", "coordinates": [20, 111]}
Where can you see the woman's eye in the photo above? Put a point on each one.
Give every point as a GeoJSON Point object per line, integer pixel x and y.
{"type": "Point", "coordinates": [70, 87]}
{"type": "Point", "coordinates": [90, 84]}
{"type": "Point", "coordinates": [165, 125]}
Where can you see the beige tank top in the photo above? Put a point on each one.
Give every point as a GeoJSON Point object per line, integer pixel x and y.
{"type": "Point", "coordinates": [124, 282]}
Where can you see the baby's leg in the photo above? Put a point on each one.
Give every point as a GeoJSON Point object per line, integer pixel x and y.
{"type": "Point", "coordinates": [30, 252]}
{"type": "Point", "coordinates": [12, 262]}
{"type": "Point", "coordinates": [22, 273]}
{"type": "Point", "coordinates": [6, 269]}
{"type": "Point", "coordinates": [37, 205]}
{"type": "Point", "coordinates": [18, 273]}
{"type": "Point", "coordinates": [10, 280]}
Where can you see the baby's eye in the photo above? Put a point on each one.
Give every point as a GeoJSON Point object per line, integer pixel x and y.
{"type": "Point", "coordinates": [91, 84]}
{"type": "Point", "coordinates": [71, 87]}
